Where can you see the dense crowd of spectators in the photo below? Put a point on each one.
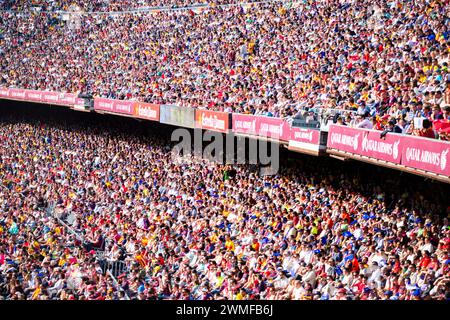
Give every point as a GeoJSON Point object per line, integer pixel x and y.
{"type": "Point", "coordinates": [418, 121]}
{"type": "Point", "coordinates": [380, 58]}
{"type": "Point", "coordinates": [270, 58]}
{"type": "Point", "coordinates": [104, 5]}
{"type": "Point", "coordinates": [191, 229]}
{"type": "Point", "coordinates": [387, 60]}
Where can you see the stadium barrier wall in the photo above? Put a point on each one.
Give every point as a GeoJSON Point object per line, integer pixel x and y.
{"type": "Point", "coordinates": [407, 153]}
{"type": "Point", "coordinates": [244, 124]}
{"type": "Point", "coordinates": [177, 116]}
{"type": "Point", "coordinates": [411, 152]}
{"type": "Point", "coordinates": [213, 120]}
{"type": "Point", "coordinates": [48, 97]}
{"type": "Point", "coordinates": [114, 106]}
{"type": "Point", "coordinates": [277, 128]}
{"type": "Point", "coordinates": [148, 111]}
{"type": "Point", "coordinates": [305, 140]}
{"type": "Point", "coordinates": [261, 126]}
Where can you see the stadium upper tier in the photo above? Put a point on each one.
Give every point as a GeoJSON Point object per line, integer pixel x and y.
{"type": "Point", "coordinates": [386, 58]}
{"type": "Point", "coordinates": [105, 5]}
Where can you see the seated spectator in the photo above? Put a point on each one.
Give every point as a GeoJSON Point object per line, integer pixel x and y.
{"type": "Point", "coordinates": [446, 112]}
{"type": "Point", "coordinates": [366, 122]}
{"type": "Point", "coordinates": [426, 130]}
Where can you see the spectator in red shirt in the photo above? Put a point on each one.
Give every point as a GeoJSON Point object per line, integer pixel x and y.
{"type": "Point", "coordinates": [426, 131]}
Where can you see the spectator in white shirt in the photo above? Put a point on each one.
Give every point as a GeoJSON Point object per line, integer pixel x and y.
{"type": "Point", "coordinates": [366, 123]}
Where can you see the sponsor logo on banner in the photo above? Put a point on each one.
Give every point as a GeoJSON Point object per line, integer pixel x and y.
{"type": "Point", "coordinates": [430, 156]}
{"type": "Point", "coordinates": [305, 135]}
{"type": "Point", "coordinates": [271, 130]}
{"type": "Point", "coordinates": [379, 146]}
{"type": "Point", "coordinates": [111, 105]}
{"type": "Point", "coordinates": [426, 157]}
{"type": "Point", "coordinates": [70, 99]}
{"type": "Point", "coordinates": [211, 120]}
{"type": "Point", "coordinates": [17, 93]}
{"type": "Point", "coordinates": [261, 126]}
{"type": "Point", "coordinates": [366, 143]}
{"type": "Point", "coordinates": [244, 124]}
{"type": "Point", "coordinates": [410, 151]}
{"type": "Point", "coordinates": [79, 101]}
{"type": "Point", "coordinates": [123, 107]}
{"type": "Point", "coordinates": [34, 95]}
{"type": "Point", "coordinates": [4, 92]}
{"type": "Point", "coordinates": [345, 140]}
{"type": "Point", "coordinates": [306, 139]}
{"type": "Point", "coordinates": [104, 104]}
{"type": "Point", "coordinates": [146, 111]}
{"type": "Point", "coordinates": [387, 149]}
{"type": "Point", "coordinates": [51, 97]}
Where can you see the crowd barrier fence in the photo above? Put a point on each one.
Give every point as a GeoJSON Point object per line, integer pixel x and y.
{"type": "Point", "coordinates": [403, 151]}
{"type": "Point", "coordinates": [413, 152]}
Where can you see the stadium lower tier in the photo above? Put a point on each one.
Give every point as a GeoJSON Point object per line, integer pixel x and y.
{"type": "Point", "coordinates": [98, 207]}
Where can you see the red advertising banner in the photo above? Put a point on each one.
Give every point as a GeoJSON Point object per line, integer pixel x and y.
{"type": "Point", "coordinates": [66, 99]}
{"type": "Point", "coordinates": [70, 99]}
{"type": "Point", "coordinates": [305, 140]}
{"type": "Point", "coordinates": [366, 143]}
{"type": "Point", "coordinates": [125, 107]}
{"type": "Point", "coordinates": [412, 152]}
{"type": "Point", "coordinates": [387, 149]}
{"type": "Point", "coordinates": [275, 128]}
{"type": "Point", "coordinates": [304, 135]}
{"type": "Point", "coordinates": [18, 94]}
{"type": "Point", "coordinates": [244, 123]}
{"type": "Point", "coordinates": [212, 120]}
{"type": "Point", "coordinates": [34, 95]}
{"type": "Point", "coordinates": [51, 97]}
{"type": "Point", "coordinates": [104, 104]}
{"type": "Point", "coordinates": [345, 139]}
{"type": "Point", "coordinates": [427, 154]}
{"type": "Point", "coordinates": [112, 105]}
{"type": "Point", "coordinates": [147, 111]}
{"type": "Point", "coordinates": [4, 92]}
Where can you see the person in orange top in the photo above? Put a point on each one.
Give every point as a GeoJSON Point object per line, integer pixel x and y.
{"type": "Point", "coordinates": [345, 216]}
{"type": "Point", "coordinates": [229, 244]}
{"type": "Point", "coordinates": [141, 258]}
{"type": "Point", "coordinates": [355, 264]}
{"type": "Point", "coordinates": [255, 245]}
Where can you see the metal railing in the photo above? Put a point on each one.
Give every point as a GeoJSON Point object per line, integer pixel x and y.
{"type": "Point", "coordinates": [112, 268]}
{"type": "Point", "coordinates": [50, 210]}
{"type": "Point", "coordinates": [116, 268]}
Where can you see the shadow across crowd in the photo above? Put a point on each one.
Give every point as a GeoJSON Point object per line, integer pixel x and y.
{"type": "Point", "coordinates": [192, 229]}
